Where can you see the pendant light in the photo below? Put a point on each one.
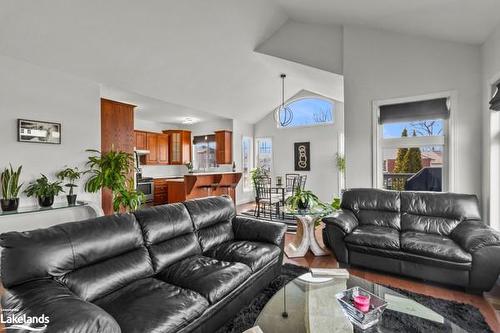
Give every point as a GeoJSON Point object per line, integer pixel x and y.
{"type": "Point", "coordinates": [283, 115]}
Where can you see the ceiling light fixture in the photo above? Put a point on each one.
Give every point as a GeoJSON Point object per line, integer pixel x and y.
{"type": "Point", "coordinates": [283, 115]}
{"type": "Point", "coordinates": [188, 121]}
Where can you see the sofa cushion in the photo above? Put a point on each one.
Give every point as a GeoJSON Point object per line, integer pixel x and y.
{"type": "Point", "coordinates": [212, 218]}
{"type": "Point", "coordinates": [211, 278]}
{"type": "Point", "coordinates": [151, 305]}
{"type": "Point", "coordinates": [374, 206]}
{"type": "Point", "coordinates": [374, 236]}
{"type": "Point", "coordinates": [433, 245]}
{"type": "Point", "coordinates": [253, 254]}
{"type": "Point", "coordinates": [168, 234]}
{"type": "Point", "coordinates": [437, 213]}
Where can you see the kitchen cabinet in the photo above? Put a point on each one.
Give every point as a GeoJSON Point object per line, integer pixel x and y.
{"type": "Point", "coordinates": [152, 146]}
{"type": "Point", "coordinates": [141, 142]}
{"type": "Point", "coordinates": [160, 191]}
{"type": "Point", "coordinates": [179, 149]}
{"type": "Point", "coordinates": [224, 147]}
{"type": "Point", "coordinates": [162, 149]}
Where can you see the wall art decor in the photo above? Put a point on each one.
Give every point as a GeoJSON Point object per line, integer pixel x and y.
{"type": "Point", "coordinates": [302, 156]}
{"type": "Point", "coordinates": [38, 131]}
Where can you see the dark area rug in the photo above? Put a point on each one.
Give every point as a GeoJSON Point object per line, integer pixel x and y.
{"type": "Point", "coordinates": [466, 316]}
{"type": "Point", "coordinates": [289, 220]}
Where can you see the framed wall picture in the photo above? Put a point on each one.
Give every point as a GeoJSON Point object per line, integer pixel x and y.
{"type": "Point", "coordinates": [38, 131]}
{"type": "Point", "coordinates": [302, 156]}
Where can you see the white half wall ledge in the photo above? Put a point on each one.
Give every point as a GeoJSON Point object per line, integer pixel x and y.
{"type": "Point", "coordinates": [46, 218]}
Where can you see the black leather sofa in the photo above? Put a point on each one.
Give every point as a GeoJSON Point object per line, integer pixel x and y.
{"type": "Point", "coordinates": [174, 268]}
{"type": "Point", "coordinates": [427, 235]}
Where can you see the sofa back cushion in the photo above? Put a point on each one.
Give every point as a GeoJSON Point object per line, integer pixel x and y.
{"type": "Point", "coordinates": [168, 233]}
{"type": "Point", "coordinates": [437, 212]}
{"type": "Point", "coordinates": [92, 257]}
{"type": "Point", "coordinates": [374, 206]}
{"type": "Point", "coordinates": [212, 218]}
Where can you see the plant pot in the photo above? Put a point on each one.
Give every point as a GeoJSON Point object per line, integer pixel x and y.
{"type": "Point", "coordinates": [9, 204]}
{"type": "Point", "coordinates": [71, 199]}
{"type": "Point", "coordinates": [46, 201]}
{"type": "Point", "coordinates": [302, 205]}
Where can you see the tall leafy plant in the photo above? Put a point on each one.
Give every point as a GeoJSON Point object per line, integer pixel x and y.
{"type": "Point", "coordinates": [10, 182]}
{"type": "Point", "coordinates": [110, 170]}
{"type": "Point", "coordinates": [129, 199]}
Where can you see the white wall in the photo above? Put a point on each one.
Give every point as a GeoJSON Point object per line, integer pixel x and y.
{"type": "Point", "coordinates": [382, 65]}
{"type": "Point", "coordinates": [315, 45]}
{"type": "Point", "coordinates": [241, 129]}
{"type": "Point", "coordinates": [323, 177]}
{"type": "Point", "coordinates": [32, 92]}
{"type": "Point", "coordinates": [491, 130]}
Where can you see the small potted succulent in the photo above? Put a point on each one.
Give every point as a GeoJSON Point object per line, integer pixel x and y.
{"type": "Point", "coordinates": [189, 166]}
{"type": "Point", "coordinates": [10, 188]}
{"type": "Point", "coordinates": [44, 190]}
{"type": "Point", "coordinates": [71, 175]}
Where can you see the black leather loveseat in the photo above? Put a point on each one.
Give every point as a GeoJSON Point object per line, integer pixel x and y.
{"type": "Point", "coordinates": [174, 268]}
{"type": "Point", "coordinates": [432, 236]}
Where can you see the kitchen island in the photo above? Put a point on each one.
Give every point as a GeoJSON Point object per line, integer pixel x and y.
{"type": "Point", "coordinates": [200, 185]}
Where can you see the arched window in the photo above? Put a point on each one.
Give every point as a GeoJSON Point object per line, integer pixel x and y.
{"type": "Point", "coordinates": [310, 111]}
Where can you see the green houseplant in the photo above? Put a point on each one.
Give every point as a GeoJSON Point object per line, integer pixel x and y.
{"type": "Point", "coordinates": [44, 190]}
{"type": "Point", "coordinates": [303, 199]}
{"type": "Point", "coordinates": [10, 188]}
{"type": "Point", "coordinates": [257, 174]}
{"type": "Point", "coordinates": [71, 175]}
{"type": "Point", "coordinates": [110, 170]}
{"type": "Point", "coordinates": [128, 199]}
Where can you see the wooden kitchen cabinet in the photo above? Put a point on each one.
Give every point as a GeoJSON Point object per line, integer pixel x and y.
{"type": "Point", "coordinates": [224, 147]}
{"type": "Point", "coordinates": [160, 191]}
{"type": "Point", "coordinates": [162, 148]}
{"type": "Point", "coordinates": [141, 142]}
{"type": "Point", "coordinates": [179, 149]}
{"type": "Point", "coordinates": [152, 146]}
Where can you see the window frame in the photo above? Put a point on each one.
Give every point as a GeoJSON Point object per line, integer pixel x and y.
{"type": "Point", "coordinates": [256, 151]}
{"type": "Point", "coordinates": [293, 100]}
{"type": "Point", "coordinates": [447, 140]}
{"type": "Point", "coordinates": [248, 188]}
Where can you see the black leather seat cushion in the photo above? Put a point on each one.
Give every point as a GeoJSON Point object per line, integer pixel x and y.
{"type": "Point", "coordinates": [374, 236]}
{"type": "Point", "coordinates": [253, 254]}
{"type": "Point", "coordinates": [433, 245]}
{"type": "Point", "coordinates": [211, 278]}
{"type": "Point", "coordinates": [151, 305]}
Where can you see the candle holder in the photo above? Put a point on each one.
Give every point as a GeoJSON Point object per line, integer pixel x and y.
{"type": "Point", "coordinates": [363, 308]}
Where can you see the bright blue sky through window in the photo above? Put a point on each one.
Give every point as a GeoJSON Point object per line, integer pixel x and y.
{"type": "Point", "coordinates": [422, 128]}
{"type": "Point", "coordinates": [310, 111]}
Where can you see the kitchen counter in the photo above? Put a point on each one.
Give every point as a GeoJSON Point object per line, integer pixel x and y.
{"type": "Point", "coordinates": [200, 185]}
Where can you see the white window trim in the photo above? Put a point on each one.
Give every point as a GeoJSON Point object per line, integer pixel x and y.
{"type": "Point", "coordinates": [450, 147]}
{"type": "Point", "coordinates": [491, 201]}
{"type": "Point", "coordinates": [256, 150]}
{"type": "Point", "coordinates": [331, 101]}
{"type": "Point", "coordinates": [250, 159]}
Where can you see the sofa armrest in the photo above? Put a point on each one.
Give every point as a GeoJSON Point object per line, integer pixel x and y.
{"type": "Point", "coordinates": [473, 235]}
{"type": "Point", "coordinates": [344, 219]}
{"type": "Point", "coordinates": [249, 229]}
{"type": "Point", "coordinates": [65, 311]}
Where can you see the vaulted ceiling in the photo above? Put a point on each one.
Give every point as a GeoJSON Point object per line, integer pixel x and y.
{"type": "Point", "coordinates": [199, 54]}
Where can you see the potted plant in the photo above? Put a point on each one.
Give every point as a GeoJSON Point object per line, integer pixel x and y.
{"type": "Point", "coordinates": [257, 174]}
{"type": "Point", "coordinates": [189, 166]}
{"type": "Point", "coordinates": [109, 170]}
{"type": "Point", "coordinates": [303, 200]}
{"type": "Point", "coordinates": [44, 190]}
{"type": "Point", "coordinates": [128, 199]}
{"type": "Point", "coordinates": [71, 175]}
{"type": "Point", "coordinates": [10, 188]}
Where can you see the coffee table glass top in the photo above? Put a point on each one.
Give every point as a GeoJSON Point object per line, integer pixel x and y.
{"type": "Point", "coordinates": [313, 211]}
{"type": "Point", "coordinates": [311, 306]}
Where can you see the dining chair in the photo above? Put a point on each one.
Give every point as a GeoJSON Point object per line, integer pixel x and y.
{"type": "Point", "coordinates": [303, 179]}
{"type": "Point", "coordinates": [290, 181]}
{"type": "Point", "coordinates": [265, 198]}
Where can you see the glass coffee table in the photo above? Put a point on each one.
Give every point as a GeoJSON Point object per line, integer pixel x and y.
{"type": "Point", "coordinates": [308, 304]}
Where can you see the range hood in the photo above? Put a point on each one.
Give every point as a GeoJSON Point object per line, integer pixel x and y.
{"type": "Point", "coordinates": [141, 151]}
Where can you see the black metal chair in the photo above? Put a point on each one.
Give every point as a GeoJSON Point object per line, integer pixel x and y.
{"type": "Point", "coordinates": [265, 199]}
{"type": "Point", "coordinates": [302, 182]}
{"type": "Point", "coordinates": [290, 181]}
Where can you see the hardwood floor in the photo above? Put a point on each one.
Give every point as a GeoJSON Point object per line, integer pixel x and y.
{"type": "Point", "coordinates": [488, 304]}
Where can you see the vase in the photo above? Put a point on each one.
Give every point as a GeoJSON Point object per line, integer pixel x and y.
{"type": "Point", "coordinates": [46, 201]}
{"type": "Point", "coordinates": [71, 199]}
{"type": "Point", "coordinates": [9, 205]}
